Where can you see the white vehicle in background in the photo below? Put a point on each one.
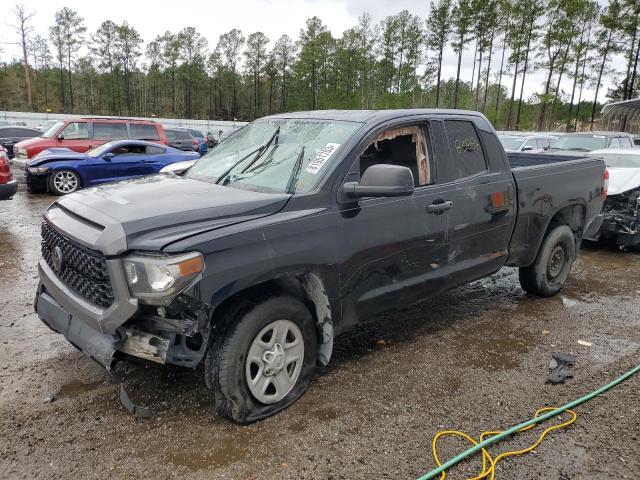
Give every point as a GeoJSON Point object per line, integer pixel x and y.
{"type": "Point", "coordinates": [590, 141]}
{"type": "Point", "coordinates": [525, 142]}
{"type": "Point", "coordinates": [620, 217]}
{"type": "Point", "coordinates": [179, 167]}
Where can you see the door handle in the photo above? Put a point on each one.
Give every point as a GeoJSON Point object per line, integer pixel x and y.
{"type": "Point", "coordinates": [438, 207]}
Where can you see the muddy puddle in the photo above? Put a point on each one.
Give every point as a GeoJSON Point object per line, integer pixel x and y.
{"type": "Point", "coordinates": [207, 459]}
{"type": "Point", "coordinates": [74, 389]}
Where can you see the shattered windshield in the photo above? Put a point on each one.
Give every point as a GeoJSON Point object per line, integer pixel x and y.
{"type": "Point", "coordinates": [265, 154]}
{"type": "Point", "coordinates": [584, 143]}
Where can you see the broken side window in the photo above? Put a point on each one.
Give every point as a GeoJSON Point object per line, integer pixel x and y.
{"type": "Point", "coordinates": [406, 147]}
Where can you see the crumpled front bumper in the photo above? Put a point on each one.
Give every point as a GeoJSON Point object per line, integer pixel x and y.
{"type": "Point", "coordinates": [98, 346]}
{"type": "Point", "coordinates": [91, 329]}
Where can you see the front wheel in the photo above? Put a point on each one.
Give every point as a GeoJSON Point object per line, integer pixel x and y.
{"type": "Point", "coordinates": [63, 182]}
{"type": "Point", "coordinates": [265, 361]}
{"type": "Point", "coordinates": [549, 272]}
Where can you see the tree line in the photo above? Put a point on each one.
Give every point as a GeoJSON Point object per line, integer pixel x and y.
{"type": "Point", "coordinates": [395, 63]}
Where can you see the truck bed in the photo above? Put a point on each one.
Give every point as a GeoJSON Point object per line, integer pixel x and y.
{"type": "Point", "coordinates": [546, 183]}
{"type": "Point", "coordinates": [524, 159]}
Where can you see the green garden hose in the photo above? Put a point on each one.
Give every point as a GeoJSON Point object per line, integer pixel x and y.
{"type": "Point", "coordinates": [522, 426]}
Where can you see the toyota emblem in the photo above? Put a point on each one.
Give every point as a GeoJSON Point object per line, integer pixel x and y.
{"type": "Point", "coordinates": [57, 259]}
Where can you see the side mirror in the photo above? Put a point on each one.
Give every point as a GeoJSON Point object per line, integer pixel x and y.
{"type": "Point", "coordinates": [382, 180]}
{"type": "Point", "coordinates": [61, 136]}
{"type": "Point", "coordinates": [527, 148]}
{"type": "Point", "coordinates": [108, 156]}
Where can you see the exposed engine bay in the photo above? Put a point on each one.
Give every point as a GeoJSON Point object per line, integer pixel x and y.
{"type": "Point", "coordinates": [621, 223]}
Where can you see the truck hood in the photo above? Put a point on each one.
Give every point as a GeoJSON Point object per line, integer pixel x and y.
{"type": "Point", "coordinates": [157, 210]}
{"type": "Point", "coordinates": [53, 155]}
{"type": "Point", "coordinates": [623, 179]}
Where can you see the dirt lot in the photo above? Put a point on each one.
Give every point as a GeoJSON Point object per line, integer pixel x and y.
{"type": "Point", "coordinates": [472, 360]}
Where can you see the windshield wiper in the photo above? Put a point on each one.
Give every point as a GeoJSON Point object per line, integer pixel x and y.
{"type": "Point", "coordinates": [578, 149]}
{"type": "Point", "coordinates": [293, 179]}
{"type": "Point", "coordinates": [260, 150]}
{"type": "Point", "coordinates": [263, 149]}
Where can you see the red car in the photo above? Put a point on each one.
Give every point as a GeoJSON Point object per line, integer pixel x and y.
{"type": "Point", "coordinates": [8, 185]}
{"type": "Point", "coordinates": [84, 134]}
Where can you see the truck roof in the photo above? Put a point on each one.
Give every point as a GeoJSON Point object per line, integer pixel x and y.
{"type": "Point", "coordinates": [366, 116]}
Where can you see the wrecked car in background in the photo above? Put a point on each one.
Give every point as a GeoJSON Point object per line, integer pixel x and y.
{"type": "Point", "coordinates": [620, 217]}
{"type": "Point", "coordinates": [62, 171]}
{"type": "Point", "coordinates": [295, 228]}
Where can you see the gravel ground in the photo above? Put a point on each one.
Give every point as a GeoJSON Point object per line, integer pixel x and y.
{"type": "Point", "coordinates": [473, 359]}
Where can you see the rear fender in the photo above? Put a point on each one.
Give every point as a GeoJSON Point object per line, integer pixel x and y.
{"type": "Point", "coordinates": [572, 214]}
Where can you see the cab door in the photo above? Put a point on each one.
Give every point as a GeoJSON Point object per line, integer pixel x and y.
{"type": "Point", "coordinates": [129, 163]}
{"type": "Point", "coordinates": [397, 248]}
{"type": "Point", "coordinates": [153, 159]}
{"type": "Point", "coordinates": [76, 136]}
{"type": "Point", "coordinates": [481, 189]}
{"type": "Point", "coordinates": [115, 164]}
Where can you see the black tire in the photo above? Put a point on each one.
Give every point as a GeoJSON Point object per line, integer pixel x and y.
{"type": "Point", "coordinates": [75, 183]}
{"type": "Point", "coordinates": [549, 272]}
{"type": "Point", "coordinates": [226, 358]}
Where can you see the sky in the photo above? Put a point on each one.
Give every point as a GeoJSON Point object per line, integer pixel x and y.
{"type": "Point", "coordinates": [272, 17]}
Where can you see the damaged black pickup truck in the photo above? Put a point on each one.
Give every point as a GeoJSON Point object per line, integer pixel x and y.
{"type": "Point", "coordinates": [293, 229]}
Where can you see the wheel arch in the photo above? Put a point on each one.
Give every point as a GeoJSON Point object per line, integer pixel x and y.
{"type": "Point", "coordinates": [574, 216]}
{"type": "Point", "coordinates": [308, 287]}
{"type": "Point", "coordinates": [570, 214]}
{"type": "Point", "coordinates": [55, 168]}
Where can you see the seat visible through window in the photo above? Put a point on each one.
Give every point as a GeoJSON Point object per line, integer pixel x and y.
{"type": "Point", "coordinates": [405, 147]}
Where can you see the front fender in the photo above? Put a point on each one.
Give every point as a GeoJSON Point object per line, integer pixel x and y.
{"type": "Point", "coordinates": [312, 287]}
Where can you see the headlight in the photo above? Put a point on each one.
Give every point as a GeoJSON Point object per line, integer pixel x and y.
{"type": "Point", "coordinates": [157, 279]}
{"type": "Point", "coordinates": [38, 170]}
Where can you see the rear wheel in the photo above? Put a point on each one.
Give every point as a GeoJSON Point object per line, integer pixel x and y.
{"type": "Point", "coordinates": [549, 272]}
{"type": "Point", "coordinates": [265, 361]}
{"type": "Point", "coordinates": [63, 182]}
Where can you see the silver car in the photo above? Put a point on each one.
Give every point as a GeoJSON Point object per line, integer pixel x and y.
{"type": "Point", "coordinates": [514, 142]}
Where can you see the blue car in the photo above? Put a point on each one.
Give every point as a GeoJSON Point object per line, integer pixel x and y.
{"type": "Point", "coordinates": [62, 171]}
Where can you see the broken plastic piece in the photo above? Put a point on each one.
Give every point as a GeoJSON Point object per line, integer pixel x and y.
{"type": "Point", "coordinates": [49, 398]}
{"type": "Point", "coordinates": [137, 410]}
{"type": "Point", "coordinates": [560, 366]}
{"type": "Point", "coordinates": [565, 358]}
{"type": "Point", "coordinates": [584, 344]}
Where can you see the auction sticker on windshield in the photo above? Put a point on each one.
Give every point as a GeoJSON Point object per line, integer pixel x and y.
{"type": "Point", "coordinates": [321, 158]}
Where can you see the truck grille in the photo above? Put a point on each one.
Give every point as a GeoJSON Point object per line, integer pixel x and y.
{"type": "Point", "coordinates": [81, 269]}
